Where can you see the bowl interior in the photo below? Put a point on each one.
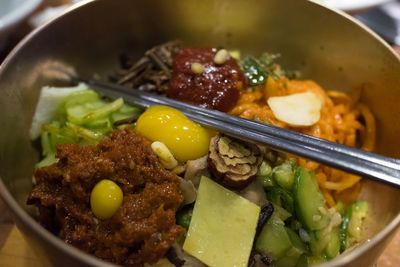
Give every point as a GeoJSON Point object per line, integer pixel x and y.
{"type": "Point", "coordinates": [326, 47]}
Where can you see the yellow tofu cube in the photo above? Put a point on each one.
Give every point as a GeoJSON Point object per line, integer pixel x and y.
{"type": "Point", "coordinates": [222, 228]}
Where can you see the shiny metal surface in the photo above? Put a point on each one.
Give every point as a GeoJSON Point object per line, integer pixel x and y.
{"type": "Point", "coordinates": [324, 45]}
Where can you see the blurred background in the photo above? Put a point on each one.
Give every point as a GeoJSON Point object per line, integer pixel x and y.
{"type": "Point", "coordinates": [19, 17]}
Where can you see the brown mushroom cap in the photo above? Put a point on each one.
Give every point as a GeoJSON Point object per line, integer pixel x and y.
{"type": "Point", "coordinates": [233, 163]}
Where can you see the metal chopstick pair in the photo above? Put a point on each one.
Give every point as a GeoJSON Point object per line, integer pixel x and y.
{"type": "Point", "coordinates": [371, 165]}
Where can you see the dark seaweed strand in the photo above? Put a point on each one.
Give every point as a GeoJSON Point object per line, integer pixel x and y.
{"type": "Point", "coordinates": [263, 218]}
{"type": "Point", "coordinates": [173, 258]}
{"type": "Point", "coordinates": [265, 214]}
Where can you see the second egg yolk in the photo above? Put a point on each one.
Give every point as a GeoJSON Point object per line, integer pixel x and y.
{"type": "Point", "coordinates": [186, 139]}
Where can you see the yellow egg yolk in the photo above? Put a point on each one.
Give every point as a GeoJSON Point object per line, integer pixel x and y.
{"type": "Point", "coordinates": [105, 199]}
{"type": "Point", "coordinates": [186, 139]}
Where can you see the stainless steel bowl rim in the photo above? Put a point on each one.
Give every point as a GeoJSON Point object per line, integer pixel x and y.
{"type": "Point", "coordinates": [18, 211]}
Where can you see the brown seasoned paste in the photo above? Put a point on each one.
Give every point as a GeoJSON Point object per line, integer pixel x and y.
{"type": "Point", "coordinates": [216, 87]}
{"type": "Point", "coordinates": [142, 229]}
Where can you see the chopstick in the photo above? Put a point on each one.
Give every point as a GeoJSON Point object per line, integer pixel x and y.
{"type": "Point", "coordinates": [353, 160]}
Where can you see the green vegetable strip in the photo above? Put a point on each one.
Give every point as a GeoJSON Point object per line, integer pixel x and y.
{"type": "Point", "coordinates": [80, 98]}
{"type": "Point", "coordinates": [47, 148]}
{"type": "Point", "coordinates": [59, 135]}
{"type": "Point", "coordinates": [104, 111]}
{"type": "Point", "coordinates": [184, 216]}
{"type": "Point", "coordinates": [343, 231]}
{"type": "Point", "coordinates": [88, 135]}
{"type": "Point", "coordinates": [48, 160]}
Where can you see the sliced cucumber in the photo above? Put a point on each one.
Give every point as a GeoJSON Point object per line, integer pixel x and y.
{"type": "Point", "coordinates": [117, 116]}
{"type": "Point", "coordinates": [293, 251]}
{"type": "Point", "coordinates": [264, 175]}
{"type": "Point", "coordinates": [59, 135]}
{"type": "Point", "coordinates": [76, 113]}
{"type": "Point", "coordinates": [303, 261]}
{"type": "Point", "coordinates": [126, 111]}
{"type": "Point", "coordinates": [333, 247]}
{"type": "Point", "coordinates": [47, 147]}
{"type": "Point", "coordinates": [92, 137]}
{"type": "Point", "coordinates": [309, 200]}
{"type": "Point", "coordinates": [351, 223]}
{"type": "Point", "coordinates": [296, 241]}
{"type": "Point", "coordinates": [47, 161]}
{"type": "Point", "coordinates": [273, 239]}
{"type": "Point", "coordinates": [281, 213]}
{"type": "Point", "coordinates": [360, 210]}
{"type": "Point", "coordinates": [290, 259]}
{"type": "Point", "coordinates": [315, 260]}
{"type": "Point", "coordinates": [281, 197]}
{"type": "Point", "coordinates": [283, 175]}
{"type": "Point", "coordinates": [319, 241]}
{"type": "Point", "coordinates": [104, 111]}
{"type": "Point", "coordinates": [80, 98]}
{"type": "Point", "coordinates": [266, 181]}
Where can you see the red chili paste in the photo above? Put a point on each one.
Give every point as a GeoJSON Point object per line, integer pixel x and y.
{"type": "Point", "coordinates": [217, 87]}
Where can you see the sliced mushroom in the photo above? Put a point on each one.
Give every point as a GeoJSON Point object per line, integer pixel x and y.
{"type": "Point", "coordinates": [195, 169]}
{"type": "Point", "coordinates": [234, 163]}
{"type": "Point", "coordinates": [255, 193]}
{"type": "Point", "coordinates": [188, 191]}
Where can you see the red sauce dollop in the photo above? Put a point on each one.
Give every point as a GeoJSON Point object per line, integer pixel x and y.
{"type": "Point", "coordinates": [217, 87]}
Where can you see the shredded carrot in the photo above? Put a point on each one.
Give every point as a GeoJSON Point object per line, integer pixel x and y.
{"type": "Point", "coordinates": [370, 127]}
{"type": "Point", "coordinates": [342, 120]}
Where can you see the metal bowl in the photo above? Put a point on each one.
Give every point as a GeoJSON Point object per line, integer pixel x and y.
{"type": "Point", "coordinates": [325, 45]}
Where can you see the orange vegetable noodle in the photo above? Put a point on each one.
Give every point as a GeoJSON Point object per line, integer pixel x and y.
{"type": "Point", "coordinates": [342, 120]}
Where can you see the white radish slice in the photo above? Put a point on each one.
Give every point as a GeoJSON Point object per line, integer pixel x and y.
{"type": "Point", "coordinates": [302, 109]}
{"type": "Point", "coordinates": [49, 101]}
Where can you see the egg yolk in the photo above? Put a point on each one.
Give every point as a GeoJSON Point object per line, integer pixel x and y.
{"type": "Point", "coordinates": [105, 199]}
{"type": "Point", "coordinates": [184, 138]}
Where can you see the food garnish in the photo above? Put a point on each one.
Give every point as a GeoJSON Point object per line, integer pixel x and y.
{"type": "Point", "coordinates": [232, 162]}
